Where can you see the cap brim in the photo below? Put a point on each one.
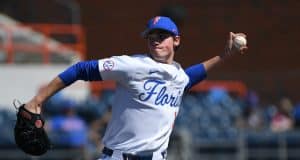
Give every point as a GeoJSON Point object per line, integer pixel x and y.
{"type": "Point", "coordinates": [146, 32]}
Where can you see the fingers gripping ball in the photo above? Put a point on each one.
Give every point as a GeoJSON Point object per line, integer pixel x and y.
{"type": "Point", "coordinates": [29, 132]}
{"type": "Point", "coordinates": [239, 41]}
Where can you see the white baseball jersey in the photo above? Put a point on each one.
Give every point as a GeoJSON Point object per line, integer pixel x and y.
{"type": "Point", "coordinates": [147, 100]}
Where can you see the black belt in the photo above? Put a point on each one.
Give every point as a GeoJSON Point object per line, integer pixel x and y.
{"type": "Point", "coordinates": [127, 156]}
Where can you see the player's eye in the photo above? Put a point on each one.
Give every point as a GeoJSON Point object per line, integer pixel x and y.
{"type": "Point", "coordinates": [163, 36]}
{"type": "Point", "coordinates": [158, 36]}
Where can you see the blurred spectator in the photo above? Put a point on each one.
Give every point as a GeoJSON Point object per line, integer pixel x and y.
{"type": "Point", "coordinates": [92, 108]}
{"type": "Point", "coordinates": [296, 115]}
{"type": "Point", "coordinates": [217, 94]}
{"type": "Point", "coordinates": [282, 119]}
{"type": "Point", "coordinates": [54, 105]}
{"type": "Point", "coordinates": [252, 116]}
{"type": "Point", "coordinates": [96, 132]}
{"type": "Point", "coordinates": [68, 129]}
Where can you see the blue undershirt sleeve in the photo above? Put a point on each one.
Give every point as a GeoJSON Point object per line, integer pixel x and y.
{"type": "Point", "coordinates": [86, 70]}
{"type": "Point", "coordinates": [196, 73]}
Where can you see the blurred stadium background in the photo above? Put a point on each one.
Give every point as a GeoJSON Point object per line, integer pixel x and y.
{"type": "Point", "coordinates": [248, 109]}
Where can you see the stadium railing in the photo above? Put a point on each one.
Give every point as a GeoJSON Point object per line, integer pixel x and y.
{"type": "Point", "coordinates": [41, 40]}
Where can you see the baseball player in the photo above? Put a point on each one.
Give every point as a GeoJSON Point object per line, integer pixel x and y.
{"type": "Point", "coordinates": [149, 89]}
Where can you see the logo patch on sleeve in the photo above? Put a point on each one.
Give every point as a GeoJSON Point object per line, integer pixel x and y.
{"type": "Point", "coordinates": [108, 65]}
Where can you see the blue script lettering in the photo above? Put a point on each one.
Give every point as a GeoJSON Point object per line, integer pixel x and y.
{"type": "Point", "coordinates": [162, 98]}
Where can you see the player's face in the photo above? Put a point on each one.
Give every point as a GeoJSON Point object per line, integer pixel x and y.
{"type": "Point", "coordinates": [161, 45]}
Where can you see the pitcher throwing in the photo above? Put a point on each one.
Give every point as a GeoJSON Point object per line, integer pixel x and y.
{"type": "Point", "coordinates": [148, 95]}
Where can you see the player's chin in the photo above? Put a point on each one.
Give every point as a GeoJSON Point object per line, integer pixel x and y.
{"type": "Point", "coordinates": [159, 58]}
{"type": "Point", "coordinates": [158, 55]}
{"type": "Point", "coordinates": [154, 52]}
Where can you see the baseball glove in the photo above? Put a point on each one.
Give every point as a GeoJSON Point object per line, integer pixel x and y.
{"type": "Point", "coordinates": [30, 135]}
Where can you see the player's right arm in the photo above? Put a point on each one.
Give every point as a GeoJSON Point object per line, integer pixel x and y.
{"type": "Point", "coordinates": [198, 72]}
{"type": "Point", "coordinates": [87, 71]}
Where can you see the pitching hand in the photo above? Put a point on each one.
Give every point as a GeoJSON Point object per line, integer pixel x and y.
{"type": "Point", "coordinates": [230, 49]}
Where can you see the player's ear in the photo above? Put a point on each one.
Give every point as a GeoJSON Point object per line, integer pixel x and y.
{"type": "Point", "coordinates": [176, 41]}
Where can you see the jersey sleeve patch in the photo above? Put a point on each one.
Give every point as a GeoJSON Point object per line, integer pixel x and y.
{"type": "Point", "coordinates": [108, 65]}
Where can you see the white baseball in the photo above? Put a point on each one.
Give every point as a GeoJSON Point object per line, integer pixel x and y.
{"type": "Point", "coordinates": [239, 41]}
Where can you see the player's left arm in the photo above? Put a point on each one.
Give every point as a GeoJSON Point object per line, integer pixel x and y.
{"type": "Point", "coordinates": [86, 70]}
{"type": "Point", "coordinates": [198, 72]}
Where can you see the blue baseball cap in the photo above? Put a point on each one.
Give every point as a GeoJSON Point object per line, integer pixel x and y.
{"type": "Point", "coordinates": [163, 23]}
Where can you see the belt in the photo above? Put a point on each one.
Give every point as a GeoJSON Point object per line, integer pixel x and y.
{"type": "Point", "coordinates": [127, 156]}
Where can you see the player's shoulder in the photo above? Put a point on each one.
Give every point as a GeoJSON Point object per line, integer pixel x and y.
{"type": "Point", "coordinates": [132, 56]}
{"type": "Point", "coordinates": [144, 58]}
{"type": "Point", "coordinates": [133, 60]}
{"type": "Point", "coordinates": [139, 56]}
